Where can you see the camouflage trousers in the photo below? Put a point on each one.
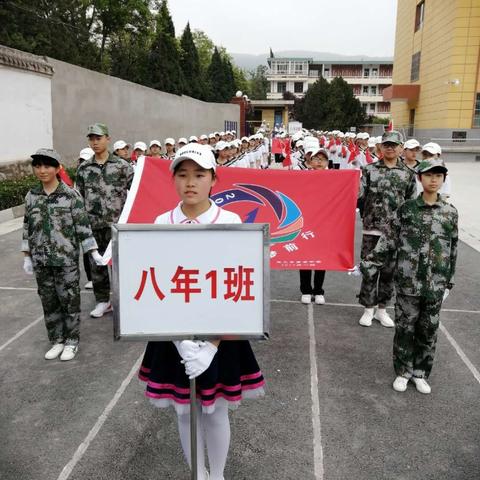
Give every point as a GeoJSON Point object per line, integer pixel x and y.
{"type": "Point", "coordinates": [100, 278]}
{"type": "Point", "coordinates": [59, 291]}
{"type": "Point", "coordinates": [376, 289]}
{"type": "Point", "coordinates": [416, 324]}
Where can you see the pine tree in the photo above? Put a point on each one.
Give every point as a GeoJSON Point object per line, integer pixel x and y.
{"type": "Point", "coordinates": [317, 105]}
{"type": "Point", "coordinates": [190, 63]}
{"type": "Point", "coordinates": [230, 86]}
{"type": "Point", "coordinates": [216, 78]}
{"type": "Point", "coordinates": [165, 72]}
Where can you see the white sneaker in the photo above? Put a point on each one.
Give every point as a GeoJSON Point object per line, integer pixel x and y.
{"type": "Point", "coordinates": [400, 384]}
{"type": "Point", "coordinates": [55, 351]}
{"type": "Point", "coordinates": [422, 385]}
{"type": "Point", "coordinates": [367, 317]}
{"type": "Point", "coordinates": [306, 299]}
{"type": "Point", "coordinates": [101, 309]}
{"type": "Point", "coordinates": [69, 352]}
{"type": "Point", "coordinates": [319, 299]}
{"type": "Point", "coordinates": [88, 285]}
{"type": "Point", "coordinates": [384, 318]}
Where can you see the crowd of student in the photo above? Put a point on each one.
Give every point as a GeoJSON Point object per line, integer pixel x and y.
{"type": "Point", "coordinates": [409, 244]}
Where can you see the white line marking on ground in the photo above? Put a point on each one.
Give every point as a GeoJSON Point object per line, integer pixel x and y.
{"type": "Point", "coordinates": [317, 431]}
{"type": "Point", "coordinates": [461, 353]}
{"type": "Point", "coordinates": [20, 333]}
{"type": "Point", "coordinates": [68, 468]}
{"type": "Point", "coordinates": [448, 310]}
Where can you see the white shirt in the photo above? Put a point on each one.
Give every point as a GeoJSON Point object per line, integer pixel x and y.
{"type": "Point", "coordinates": [214, 214]}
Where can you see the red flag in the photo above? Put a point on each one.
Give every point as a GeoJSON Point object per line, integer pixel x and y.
{"type": "Point", "coordinates": [344, 151]}
{"type": "Point", "coordinates": [390, 126]}
{"type": "Point", "coordinates": [322, 141]}
{"type": "Point", "coordinates": [331, 143]}
{"type": "Point", "coordinates": [64, 177]}
{"type": "Point", "coordinates": [305, 233]}
{"type": "Point", "coordinates": [353, 153]}
{"type": "Point", "coordinates": [368, 156]}
{"type": "Point", "coordinates": [287, 161]}
{"type": "Point", "coordinates": [277, 145]}
{"type": "Point", "coordinates": [338, 141]}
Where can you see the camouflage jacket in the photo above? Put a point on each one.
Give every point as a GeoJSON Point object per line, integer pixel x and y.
{"type": "Point", "coordinates": [104, 189]}
{"type": "Point", "coordinates": [55, 226]}
{"type": "Point", "coordinates": [382, 191]}
{"type": "Point", "coordinates": [424, 240]}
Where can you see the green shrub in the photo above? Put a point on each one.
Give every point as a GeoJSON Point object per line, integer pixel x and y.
{"type": "Point", "coordinates": [12, 192]}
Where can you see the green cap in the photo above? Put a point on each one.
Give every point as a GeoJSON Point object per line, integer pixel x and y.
{"type": "Point", "coordinates": [436, 164]}
{"type": "Point", "coordinates": [393, 136]}
{"type": "Point", "coordinates": [47, 153]}
{"type": "Point", "coordinates": [97, 129]}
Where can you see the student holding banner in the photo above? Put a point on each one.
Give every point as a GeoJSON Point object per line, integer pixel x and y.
{"type": "Point", "coordinates": [226, 371]}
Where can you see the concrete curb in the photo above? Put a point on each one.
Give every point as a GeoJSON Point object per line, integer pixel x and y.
{"type": "Point", "coordinates": [12, 213]}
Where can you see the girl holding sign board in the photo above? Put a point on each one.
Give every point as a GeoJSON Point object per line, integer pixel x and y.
{"type": "Point", "coordinates": [227, 371]}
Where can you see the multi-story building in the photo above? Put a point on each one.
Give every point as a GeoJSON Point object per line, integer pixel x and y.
{"type": "Point", "coordinates": [435, 92]}
{"type": "Point", "coordinates": [368, 79]}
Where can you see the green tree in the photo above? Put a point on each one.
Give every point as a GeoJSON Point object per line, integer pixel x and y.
{"type": "Point", "coordinates": [205, 49]}
{"type": "Point", "coordinates": [216, 78]}
{"type": "Point", "coordinates": [258, 83]}
{"type": "Point", "coordinates": [190, 63]}
{"type": "Point", "coordinates": [164, 70]}
{"type": "Point", "coordinates": [316, 106]}
{"type": "Point", "coordinates": [230, 86]}
{"type": "Point", "coordinates": [345, 110]}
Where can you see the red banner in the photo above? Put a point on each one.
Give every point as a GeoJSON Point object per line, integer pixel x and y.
{"type": "Point", "coordinates": [278, 145]}
{"type": "Point", "coordinates": [311, 213]}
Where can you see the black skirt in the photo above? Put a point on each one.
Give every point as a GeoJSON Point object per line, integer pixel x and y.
{"type": "Point", "coordinates": [233, 375]}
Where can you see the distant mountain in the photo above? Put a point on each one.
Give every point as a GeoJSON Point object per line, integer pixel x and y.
{"type": "Point", "coordinates": [250, 62]}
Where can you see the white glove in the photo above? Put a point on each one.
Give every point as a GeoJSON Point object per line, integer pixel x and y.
{"type": "Point", "coordinates": [27, 265]}
{"type": "Point", "coordinates": [97, 258]}
{"type": "Point", "coordinates": [201, 361]}
{"type": "Point", "coordinates": [187, 349]}
{"type": "Point", "coordinates": [446, 294]}
{"type": "Point", "coordinates": [355, 271]}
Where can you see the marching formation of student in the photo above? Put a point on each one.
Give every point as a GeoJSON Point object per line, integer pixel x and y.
{"type": "Point", "coordinates": [103, 182]}
{"type": "Point", "coordinates": [422, 240]}
{"type": "Point", "coordinates": [227, 371]}
{"type": "Point", "coordinates": [55, 226]}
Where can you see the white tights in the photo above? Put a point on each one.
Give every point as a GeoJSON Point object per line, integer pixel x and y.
{"type": "Point", "coordinates": [212, 429]}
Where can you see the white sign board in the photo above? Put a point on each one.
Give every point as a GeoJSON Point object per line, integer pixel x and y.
{"type": "Point", "coordinates": [191, 281]}
{"type": "Point", "coordinates": [294, 127]}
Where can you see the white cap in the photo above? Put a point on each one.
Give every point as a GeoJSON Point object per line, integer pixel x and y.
{"type": "Point", "coordinates": [86, 153]}
{"type": "Point", "coordinates": [221, 145]}
{"type": "Point", "coordinates": [193, 138]}
{"type": "Point", "coordinates": [433, 148]}
{"type": "Point", "coordinates": [363, 136]}
{"type": "Point", "coordinates": [169, 141]}
{"type": "Point", "coordinates": [233, 132]}
{"type": "Point", "coordinates": [140, 146]}
{"type": "Point", "coordinates": [222, 134]}
{"type": "Point", "coordinates": [228, 132]}
{"type": "Point", "coordinates": [315, 150]}
{"type": "Point", "coordinates": [203, 137]}
{"type": "Point", "coordinates": [340, 135]}
{"type": "Point", "coordinates": [378, 139]}
{"type": "Point", "coordinates": [200, 154]}
{"type": "Point", "coordinates": [372, 141]}
{"type": "Point", "coordinates": [411, 144]}
{"type": "Point", "coordinates": [244, 139]}
{"type": "Point", "coordinates": [310, 143]}
{"type": "Point", "coordinates": [155, 142]}
{"type": "Point", "coordinates": [299, 143]}
{"type": "Point", "coordinates": [119, 144]}
{"type": "Point", "coordinates": [182, 140]}
{"type": "Point", "coordinates": [216, 133]}
{"type": "Point", "coordinates": [212, 135]}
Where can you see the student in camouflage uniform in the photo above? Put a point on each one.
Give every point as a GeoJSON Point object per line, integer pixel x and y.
{"type": "Point", "coordinates": [384, 186]}
{"type": "Point", "coordinates": [55, 225]}
{"type": "Point", "coordinates": [424, 237]}
{"type": "Point", "coordinates": [103, 181]}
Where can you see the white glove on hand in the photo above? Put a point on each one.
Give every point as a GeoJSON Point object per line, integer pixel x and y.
{"type": "Point", "coordinates": [27, 265]}
{"type": "Point", "coordinates": [355, 271]}
{"type": "Point", "coordinates": [187, 349]}
{"type": "Point", "coordinates": [97, 258]}
{"type": "Point", "coordinates": [445, 294]}
{"type": "Point", "coordinates": [201, 361]}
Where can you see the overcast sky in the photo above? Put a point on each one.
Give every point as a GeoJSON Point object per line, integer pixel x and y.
{"type": "Point", "coordinates": [347, 27]}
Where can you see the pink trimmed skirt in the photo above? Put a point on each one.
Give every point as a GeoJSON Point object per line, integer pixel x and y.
{"type": "Point", "coordinates": [232, 376]}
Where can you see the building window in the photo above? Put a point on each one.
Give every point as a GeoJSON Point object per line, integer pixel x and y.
{"type": "Point", "coordinates": [366, 72]}
{"type": "Point", "coordinates": [365, 89]}
{"type": "Point", "coordinates": [373, 90]}
{"type": "Point", "coordinates": [298, 87]}
{"type": "Point", "coordinates": [282, 68]}
{"type": "Point", "coordinates": [299, 68]}
{"type": "Point", "coordinates": [372, 107]}
{"type": "Point", "coordinates": [419, 15]}
{"type": "Point", "coordinates": [326, 72]}
{"type": "Point", "coordinates": [476, 116]}
{"type": "Point", "coordinates": [374, 72]}
{"type": "Point", "coordinates": [281, 87]}
{"type": "Point", "coordinates": [415, 71]}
